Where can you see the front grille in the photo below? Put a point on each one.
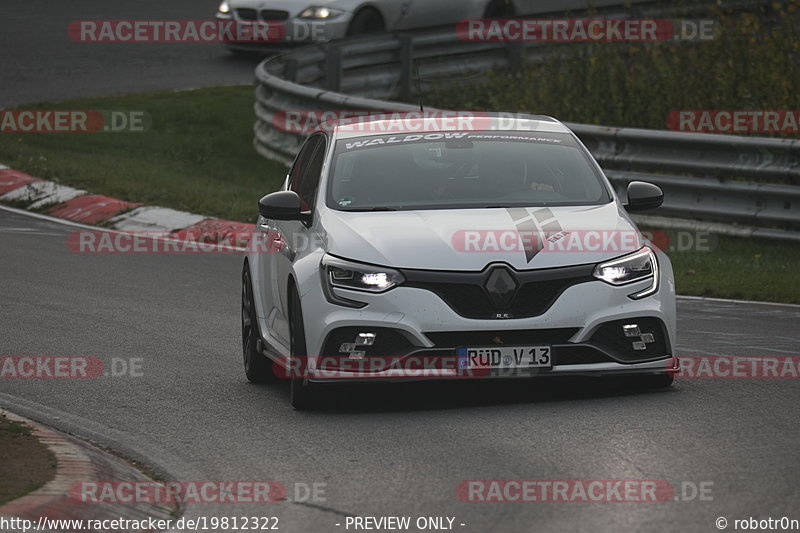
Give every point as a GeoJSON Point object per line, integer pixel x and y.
{"type": "Point", "coordinates": [466, 300]}
{"type": "Point", "coordinates": [274, 14]}
{"type": "Point", "coordinates": [580, 354]}
{"type": "Point", "coordinates": [535, 298]}
{"type": "Point", "coordinates": [247, 14]}
{"type": "Point", "coordinates": [466, 292]}
{"type": "Point", "coordinates": [610, 337]}
{"type": "Point", "coordinates": [525, 337]}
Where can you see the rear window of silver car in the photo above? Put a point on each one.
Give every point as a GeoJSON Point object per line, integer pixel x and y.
{"type": "Point", "coordinates": [450, 170]}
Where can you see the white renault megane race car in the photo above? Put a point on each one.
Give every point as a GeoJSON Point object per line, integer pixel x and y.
{"type": "Point", "coordinates": [409, 247]}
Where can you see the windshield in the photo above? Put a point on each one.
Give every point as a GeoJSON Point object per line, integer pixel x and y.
{"type": "Point", "coordinates": [452, 170]}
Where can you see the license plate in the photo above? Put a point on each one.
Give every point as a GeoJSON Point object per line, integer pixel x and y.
{"type": "Point", "coordinates": [504, 357]}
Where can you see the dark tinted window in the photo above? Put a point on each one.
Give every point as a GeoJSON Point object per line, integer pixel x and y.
{"type": "Point", "coordinates": [310, 182]}
{"type": "Point", "coordinates": [301, 163]}
{"type": "Point", "coordinates": [463, 169]}
{"type": "Point", "coordinates": [304, 178]}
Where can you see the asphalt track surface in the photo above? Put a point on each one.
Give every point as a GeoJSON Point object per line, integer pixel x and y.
{"type": "Point", "coordinates": [381, 450]}
{"type": "Point", "coordinates": [390, 449]}
{"type": "Point", "coordinates": [40, 62]}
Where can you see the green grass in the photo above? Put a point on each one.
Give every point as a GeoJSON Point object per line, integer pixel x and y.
{"type": "Point", "coordinates": [751, 64]}
{"type": "Point", "coordinates": [740, 269]}
{"type": "Point", "coordinates": [25, 463]}
{"type": "Point", "coordinates": [197, 155]}
{"type": "Point", "coordinates": [10, 428]}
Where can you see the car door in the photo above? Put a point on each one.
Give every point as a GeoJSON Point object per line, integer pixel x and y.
{"type": "Point", "coordinates": [423, 13]}
{"type": "Point", "coordinates": [275, 246]}
{"type": "Point", "coordinates": [295, 236]}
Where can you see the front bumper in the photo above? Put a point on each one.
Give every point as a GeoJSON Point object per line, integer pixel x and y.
{"type": "Point", "coordinates": [667, 365]}
{"type": "Point", "coordinates": [579, 326]}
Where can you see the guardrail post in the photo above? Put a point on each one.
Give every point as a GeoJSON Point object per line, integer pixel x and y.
{"type": "Point", "coordinates": [514, 51]}
{"type": "Point", "coordinates": [290, 70]}
{"type": "Point", "coordinates": [406, 66]}
{"type": "Point", "coordinates": [333, 68]}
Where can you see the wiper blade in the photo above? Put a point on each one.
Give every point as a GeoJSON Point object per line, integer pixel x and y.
{"type": "Point", "coordinates": [373, 209]}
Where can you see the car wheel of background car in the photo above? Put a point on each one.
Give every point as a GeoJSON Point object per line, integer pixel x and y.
{"type": "Point", "coordinates": [499, 9]}
{"type": "Point", "coordinates": [257, 367]}
{"type": "Point", "coordinates": [366, 21]}
{"type": "Point", "coordinates": [302, 394]}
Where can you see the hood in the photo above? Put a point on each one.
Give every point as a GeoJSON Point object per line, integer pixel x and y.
{"type": "Point", "coordinates": [471, 239]}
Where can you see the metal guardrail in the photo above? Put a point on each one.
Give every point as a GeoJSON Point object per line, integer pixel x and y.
{"type": "Point", "coordinates": [703, 175]}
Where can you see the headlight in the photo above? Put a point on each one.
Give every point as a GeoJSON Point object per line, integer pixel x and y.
{"type": "Point", "coordinates": [356, 276]}
{"type": "Point", "coordinates": [637, 266]}
{"type": "Point", "coordinates": [224, 7]}
{"type": "Point", "coordinates": [320, 13]}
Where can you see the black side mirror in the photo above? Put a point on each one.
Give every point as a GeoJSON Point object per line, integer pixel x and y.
{"type": "Point", "coordinates": [283, 205]}
{"type": "Point", "coordinates": [643, 196]}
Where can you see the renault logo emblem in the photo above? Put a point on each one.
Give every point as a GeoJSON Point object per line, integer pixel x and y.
{"type": "Point", "coordinates": [501, 287]}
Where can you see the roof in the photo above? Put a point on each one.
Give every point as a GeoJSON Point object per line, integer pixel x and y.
{"type": "Point", "coordinates": [352, 124]}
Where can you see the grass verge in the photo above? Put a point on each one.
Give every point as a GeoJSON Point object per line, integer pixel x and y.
{"type": "Point", "coordinates": [197, 155]}
{"type": "Point", "coordinates": [25, 463]}
{"type": "Point", "coordinates": [740, 269]}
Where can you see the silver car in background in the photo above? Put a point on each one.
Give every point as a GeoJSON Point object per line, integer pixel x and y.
{"type": "Point", "coordinates": [325, 20]}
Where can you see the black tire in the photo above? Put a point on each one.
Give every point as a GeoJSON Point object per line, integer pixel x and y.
{"type": "Point", "coordinates": [499, 9]}
{"type": "Point", "coordinates": [301, 391]}
{"type": "Point", "coordinates": [366, 21]}
{"type": "Point", "coordinates": [257, 367]}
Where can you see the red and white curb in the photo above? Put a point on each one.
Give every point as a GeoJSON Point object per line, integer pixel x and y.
{"type": "Point", "coordinates": [41, 193]}
{"type": "Point", "coordinates": [79, 462]}
{"type": "Point", "coordinates": [79, 206]}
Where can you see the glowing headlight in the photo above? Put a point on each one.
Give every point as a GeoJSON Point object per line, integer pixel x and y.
{"type": "Point", "coordinates": [224, 7]}
{"type": "Point", "coordinates": [320, 13]}
{"type": "Point", "coordinates": [637, 266]}
{"type": "Point", "coordinates": [347, 275]}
